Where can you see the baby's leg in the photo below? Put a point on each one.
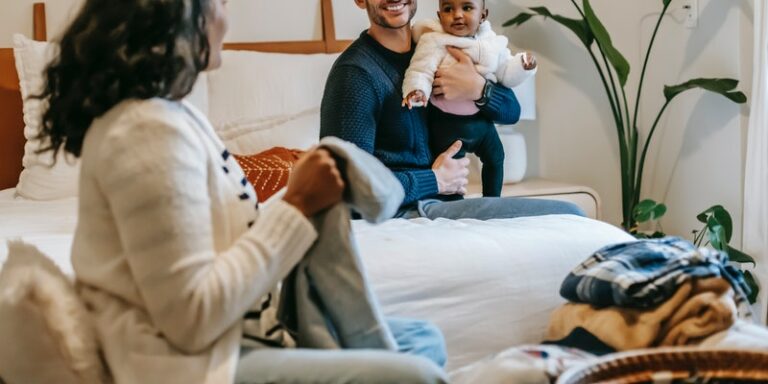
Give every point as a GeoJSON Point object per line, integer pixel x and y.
{"type": "Point", "coordinates": [491, 153]}
{"type": "Point", "coordinates": [442, 138]}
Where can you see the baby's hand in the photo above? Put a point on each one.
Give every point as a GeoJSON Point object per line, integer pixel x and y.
{"type": "Point", "coordinates": [529, 61]}
{"type": "Point", "coordinates": [416, 98]}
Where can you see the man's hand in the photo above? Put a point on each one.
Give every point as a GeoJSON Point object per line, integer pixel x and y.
{"type": "Point", "coordinates": [451, 174]}
{"type": "Point", "coordinates": [529, 61]}
{"type": "Point", "coordinates": [416, 98]}
{"type": "Point", "coordinates": [459, 81]}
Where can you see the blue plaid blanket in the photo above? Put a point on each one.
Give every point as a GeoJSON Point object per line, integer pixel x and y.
{"type": "Point", "coordinates": [645, 273]}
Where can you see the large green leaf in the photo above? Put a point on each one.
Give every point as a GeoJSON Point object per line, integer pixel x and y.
{"type": "Point", "coordinates": [518, 20]}
{"type": "Point", "coordinates": [723, 87]}
{"type": "Point", "coordinates": [666, 2]}
{"type": "Point", "coordinates": [617, 60]}
{"type": "Point", "coordinates": [649, 209]}
{"type": "Point", "coordinates": [724, 218]}
{"type": "Point", "coordinates": [643, 210]}
{"type": "Point", "coordinates": [754, 289]}
{"type": "Point", "coordinates": [716, 234]}
{"type": "Point", "coordinates": [738, 256]}
{"type": "Point", "coordinates": [721, 216]}
{"type": "Point", "coordinates": [578, 27]}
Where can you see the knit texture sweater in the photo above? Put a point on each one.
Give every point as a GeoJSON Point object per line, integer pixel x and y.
{"type": "Point", "coordinates": [171, 247]}
{"type": "Point", "coordinates": [362, 104]}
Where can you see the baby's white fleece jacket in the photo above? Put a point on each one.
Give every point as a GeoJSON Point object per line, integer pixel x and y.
{"type": "Point", "coordinates": [489, 51]}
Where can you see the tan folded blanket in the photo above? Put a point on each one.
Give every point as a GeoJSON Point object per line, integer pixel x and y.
{"type": "Point", "coordinates": [698, 309]}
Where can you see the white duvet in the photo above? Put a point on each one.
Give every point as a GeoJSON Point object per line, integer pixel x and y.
{"type": "Point", "coordinates": [488, 285]}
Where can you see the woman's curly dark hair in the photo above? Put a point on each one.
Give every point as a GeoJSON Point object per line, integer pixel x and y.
{"type": "Point", "coordinates": [116, 50]}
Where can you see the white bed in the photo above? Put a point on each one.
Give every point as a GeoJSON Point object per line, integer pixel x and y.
{"type": "Point", "coordinates": [487, 285]}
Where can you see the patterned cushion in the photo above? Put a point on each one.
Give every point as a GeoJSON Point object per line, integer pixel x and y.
{"type": "Point", "coordinates": [268, 171]}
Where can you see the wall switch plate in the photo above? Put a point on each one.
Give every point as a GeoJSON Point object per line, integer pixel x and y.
{"type": "Point", "coordinates": [691, 12]}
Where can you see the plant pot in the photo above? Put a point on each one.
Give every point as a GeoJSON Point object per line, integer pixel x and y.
{"type": "Point", "coordinates": [515, 155]}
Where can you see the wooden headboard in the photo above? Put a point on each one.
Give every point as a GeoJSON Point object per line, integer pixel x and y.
{"type": "Point", "coordinates": [11, 120]}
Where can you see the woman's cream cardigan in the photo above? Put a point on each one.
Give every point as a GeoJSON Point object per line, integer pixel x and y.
{"type": "Point", "coordinates": [170, 249]}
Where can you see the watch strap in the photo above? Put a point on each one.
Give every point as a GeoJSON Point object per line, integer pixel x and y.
{"type": "Point", "coordinates": [486, 94]}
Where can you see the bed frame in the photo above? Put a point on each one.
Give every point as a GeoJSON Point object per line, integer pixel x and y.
{"type": "Point", "coordinates": [11, 120]}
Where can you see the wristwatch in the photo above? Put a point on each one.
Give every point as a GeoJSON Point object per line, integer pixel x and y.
{"type": "Point", "coordinates": [486, 95]}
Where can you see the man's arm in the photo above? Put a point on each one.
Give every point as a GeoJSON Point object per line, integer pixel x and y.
{"type": "Point", "coordinates": [349, 111]}
{"type": "Point", "coordinates": [502, 106]}
{"type": "Point", "coordinates": [349, 107]}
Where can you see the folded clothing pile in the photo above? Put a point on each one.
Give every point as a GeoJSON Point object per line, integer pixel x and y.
{"type": "Point", "coordinates": [647, 293]}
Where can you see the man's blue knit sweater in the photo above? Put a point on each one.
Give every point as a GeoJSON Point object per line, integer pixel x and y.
{"type": "Point", "coordinates": [362, 104]}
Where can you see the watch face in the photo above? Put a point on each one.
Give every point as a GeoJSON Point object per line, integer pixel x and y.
{"type": "Point", "coordinates": [487, 90]}
{"type": "Point", "coordinates": [486, 94]}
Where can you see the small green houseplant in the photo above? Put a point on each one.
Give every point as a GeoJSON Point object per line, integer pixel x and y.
{"type": "Point", "coordinates": [716, 232]}
{"type": "Point", "coordinates": [614, 70]}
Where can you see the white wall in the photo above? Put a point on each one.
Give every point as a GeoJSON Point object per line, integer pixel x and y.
{"type": "Point", "coordinates": [696, 159]}
{"type": "Point", "coordinates": [251, 20]}
{"type": "Point", "coordinates": [16, 17]}
{"type": "Point", "coordinates": [698, 154]}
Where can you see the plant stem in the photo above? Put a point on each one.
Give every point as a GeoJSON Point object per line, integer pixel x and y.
{"type": "Point", "coordinates": [615, 100]}
{"type": "Point", "coordinates": [647, 143]}
{"type": "Point", "coordinates": [579, 9]}
{"type": "Point", "coordinates": [627, 173]}
{"type": "Point", "coordinates": [645, 65]}
{"type": "Point", "coordinates": [699, 236]}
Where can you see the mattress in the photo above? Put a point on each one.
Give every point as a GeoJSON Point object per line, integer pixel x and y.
{"type": "Point", "coordinates": [488, 285]}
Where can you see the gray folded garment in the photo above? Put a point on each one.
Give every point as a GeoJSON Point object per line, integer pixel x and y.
{"type": "Point", "coordinates": [326, 301]}
{"type": "Point", "coordinates": [372, 190]}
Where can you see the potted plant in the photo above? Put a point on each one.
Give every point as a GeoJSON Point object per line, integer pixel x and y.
{"type": "Point", "coordinates": [716, 232]}
{"type": "Point", "coordinates": [614, 70]}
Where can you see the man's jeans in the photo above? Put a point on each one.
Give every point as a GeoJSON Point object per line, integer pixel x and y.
{"type": "Point", "coordinates": [489, 208]}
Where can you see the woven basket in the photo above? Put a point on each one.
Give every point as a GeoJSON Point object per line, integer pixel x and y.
{"type": "Point", "coordinates": [674, 365]}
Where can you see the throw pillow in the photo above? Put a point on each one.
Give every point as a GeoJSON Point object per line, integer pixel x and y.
{"type": "Point", "coordinates": [268, 171]}
{"type": "Point", "coordinates": [47, 333]}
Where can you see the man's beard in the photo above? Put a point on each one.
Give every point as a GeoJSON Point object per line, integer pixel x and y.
{"type": "Point", "coordinates": [381, 21]}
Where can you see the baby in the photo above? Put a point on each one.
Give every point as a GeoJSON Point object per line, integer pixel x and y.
{"type": "Point", "coordinates": [463, 25]}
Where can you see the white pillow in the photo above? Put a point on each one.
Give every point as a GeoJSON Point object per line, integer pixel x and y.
{"type": "Point", "coordinates": [38, 180]}
{"type": "Point", "coordinates": [262, 100]}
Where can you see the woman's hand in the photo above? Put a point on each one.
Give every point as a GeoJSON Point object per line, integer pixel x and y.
{"type": "Point", "coordinates": [315, 183]}
{"type": "Point", "coordinates": [459, 81]}
{"type": "Point", "coordinates": [451, 174]}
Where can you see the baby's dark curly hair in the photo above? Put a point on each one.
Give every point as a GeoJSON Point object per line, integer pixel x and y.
{"type": "Point", "coordinates": [116, 50]}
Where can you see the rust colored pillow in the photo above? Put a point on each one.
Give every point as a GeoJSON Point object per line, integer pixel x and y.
{"type": "Point", "coordinates": [268, 171]}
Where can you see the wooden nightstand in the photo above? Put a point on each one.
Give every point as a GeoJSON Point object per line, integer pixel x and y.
{"type": "Point", "coordinates": [586, 198]}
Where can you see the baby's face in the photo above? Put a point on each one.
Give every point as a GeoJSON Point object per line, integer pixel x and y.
{"type": "Point", "coordinates": [461, 17]}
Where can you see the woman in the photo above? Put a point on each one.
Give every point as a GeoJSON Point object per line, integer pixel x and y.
{"type": "Point", "coordinates": [171, 248]}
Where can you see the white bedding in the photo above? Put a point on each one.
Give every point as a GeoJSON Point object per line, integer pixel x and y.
{"type": "Point", "coordinates": [487, 285]}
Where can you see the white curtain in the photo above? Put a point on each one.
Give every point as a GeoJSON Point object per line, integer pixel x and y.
{"type": "Point", "coordinates": [755, 225]}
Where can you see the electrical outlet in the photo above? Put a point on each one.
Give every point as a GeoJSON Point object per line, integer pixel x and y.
{"type": "Point", "coordinates": [691, 12]}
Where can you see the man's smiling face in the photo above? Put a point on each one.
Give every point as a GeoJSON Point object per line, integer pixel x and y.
{"type": "Point", "coordinates": [392, 14]}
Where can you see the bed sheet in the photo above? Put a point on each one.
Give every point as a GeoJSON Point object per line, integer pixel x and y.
{"type": "Point", "coordinates": [488, 285]}
{"type": "Point", "coordinates": [47, 224]}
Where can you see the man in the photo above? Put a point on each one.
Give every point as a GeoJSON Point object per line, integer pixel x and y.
{"type": "Point", "coordinates": [362, 104]}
